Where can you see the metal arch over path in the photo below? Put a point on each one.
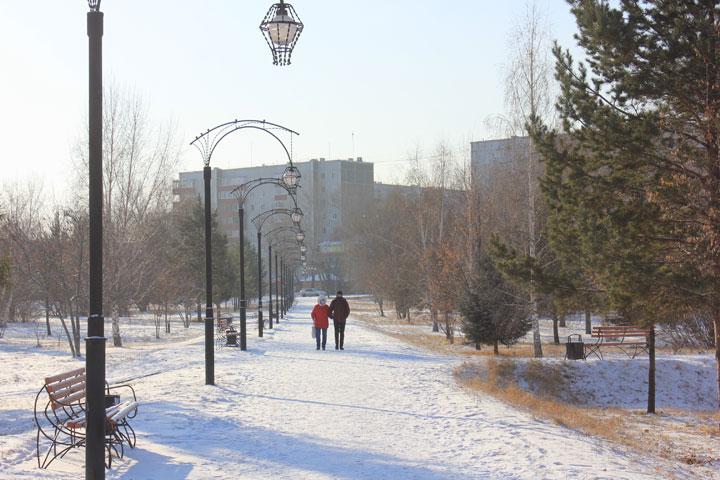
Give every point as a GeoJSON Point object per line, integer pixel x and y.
{"type": "Point", "coordinates": [208, 141]}
{"type": "Point", "coordinates": [241, 192]}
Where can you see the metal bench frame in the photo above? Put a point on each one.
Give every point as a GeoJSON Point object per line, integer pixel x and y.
{"type": "Point", "coordinates": [61, 422]}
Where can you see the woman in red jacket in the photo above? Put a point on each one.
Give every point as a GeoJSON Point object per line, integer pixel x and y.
{"type": "Point", "coordinates": [320, 318]}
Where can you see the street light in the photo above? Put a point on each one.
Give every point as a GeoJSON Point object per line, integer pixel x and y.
{"type": "Point", "coordinates": [281, 28]}
{"type": "Point", "coordinates": [95, 341]}
{"type": "Point", "coordinates": [300, 236]}
{"type": "Point", "coordinates": [291, 178]}
{"type": "Point", "coordinates": [206, 144]}
{"type": "Point", "coordinates": [303, 248]}
{"type": "Point", "coordinates": [259, 221]}
{"type": "Point", "coordinates": [241, 192]}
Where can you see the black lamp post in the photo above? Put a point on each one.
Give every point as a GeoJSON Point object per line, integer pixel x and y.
{"type": "Point", "coordinates": [296, 215]}
{"type": "Point", "coordinates": [289, 181]}
{"type": "Point", "coordinates": [95, 341]}
{"type": "Point", "coordinates": [206, 144]}
{"type": "Point", "coordinates": [279, 271]}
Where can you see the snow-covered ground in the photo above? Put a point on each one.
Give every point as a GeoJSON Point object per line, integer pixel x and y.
{"type": "Point", "coordinates": [381, 409]}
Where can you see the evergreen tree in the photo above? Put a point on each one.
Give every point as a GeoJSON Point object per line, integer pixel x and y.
{"type": "Point", "coordinates": [190, 244]}
{"type": "Point", "coordinates": [633, 181]}
{"type": "Point", "coordinates": [251, 268]}
{"type": "Point", "coordinates": [492, 309]}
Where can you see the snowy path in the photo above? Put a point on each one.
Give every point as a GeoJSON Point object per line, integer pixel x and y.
{"type": "Point", "coordinates": [381, 409]}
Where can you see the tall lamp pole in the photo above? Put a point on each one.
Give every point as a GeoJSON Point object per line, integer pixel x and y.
{"type": "Point", "coordinates": [206, 144]}
{"type": "Point", "coordinates": [95, 341]}
{"type": "Point", "coordinates": [296, 215]}
{"type": "Point", "coordinates": [289, 181]}
{"type": "Point", "coordinates": [270, 289]}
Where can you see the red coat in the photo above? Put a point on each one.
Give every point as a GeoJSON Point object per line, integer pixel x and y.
{"type": "Point", "coordinates": [320, 315]}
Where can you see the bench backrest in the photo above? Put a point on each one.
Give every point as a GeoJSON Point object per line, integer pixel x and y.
{"type": "Point", "coordinates": [223, 323]}
{"type": "Point", "coordinates": [66, 388]}
{"type": "Point", "coordinates": [619, 331]}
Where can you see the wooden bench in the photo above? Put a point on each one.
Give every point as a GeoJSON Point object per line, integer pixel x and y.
{"type": "Point", "coordinates": [224, 330]}
{"type": "Point", "coordinates": [61, 422]}
{"type": "Point", "coordinates": [631, 340]}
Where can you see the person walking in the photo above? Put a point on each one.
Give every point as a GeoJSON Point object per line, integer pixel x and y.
{"type": "Point", "coordinates": [339, 312]}
{"type": "Point", "coordinates": [320, 316]}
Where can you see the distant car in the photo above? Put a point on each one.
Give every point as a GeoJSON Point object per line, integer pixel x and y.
{"type": "Point", "coordinates": [312, 292]}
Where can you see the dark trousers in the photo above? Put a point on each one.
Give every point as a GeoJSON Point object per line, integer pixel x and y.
{"type": "Point", "coordinates": [339, 333]}
{"type": "Point", "coordinates": [320, 331]}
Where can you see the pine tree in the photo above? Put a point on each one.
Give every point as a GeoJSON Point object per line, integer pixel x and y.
{"type": "Point", "coordinates": [633, 181]}
{"type": "Point", "coordinates": [491, 307]}
{"type": "Point", "coordinates": [190, 245]}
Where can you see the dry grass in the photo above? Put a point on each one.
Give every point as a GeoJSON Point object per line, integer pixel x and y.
{"type": "Point", "coordinates": [498, 377]}
{"type": "Point", "coordinates": [693, 441]}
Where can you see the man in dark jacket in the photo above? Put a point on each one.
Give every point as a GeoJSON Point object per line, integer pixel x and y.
{"type": "Point", "coordinates": [339, 312]}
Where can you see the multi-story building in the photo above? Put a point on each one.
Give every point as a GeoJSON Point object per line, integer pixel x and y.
{"type": "Point", "coordinates": [487, 155]}
{"type": "Point", "coordinates": [330, 194]}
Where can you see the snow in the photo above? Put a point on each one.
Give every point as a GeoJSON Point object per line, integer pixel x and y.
{"type": "Point", "coordinates": [379, 409]}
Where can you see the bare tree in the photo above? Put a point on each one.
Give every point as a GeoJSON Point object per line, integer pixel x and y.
{"type": "Point", "coordinates": [138, 161]}
{"type": "Point", "coordinates": [529, 98]}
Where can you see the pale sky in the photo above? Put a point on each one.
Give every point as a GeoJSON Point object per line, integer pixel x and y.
{"type": "Point", "coordinates": [370, 78]}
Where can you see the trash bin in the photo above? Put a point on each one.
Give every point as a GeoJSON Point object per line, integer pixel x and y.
{"type": "Point", "coordinates": [575, 350]}
{"type": "Point", "coordinates": [231, 339]}
{"type": "Point", "coordinates": [111, 400]}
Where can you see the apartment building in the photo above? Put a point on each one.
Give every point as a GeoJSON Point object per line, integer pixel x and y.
{"type": "Point", "coordinates": [330, 193]}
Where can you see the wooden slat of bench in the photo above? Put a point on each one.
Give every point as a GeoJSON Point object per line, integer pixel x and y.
{"type": "Point", "coordinates": [122, 412]}
{"type": "Point", "coordinates": [618, 343]}
{"type": "Point", "coordinates": [55, 386]}
{"type": "Point", "coordinates": [63, 376]}
{"type": "Point", "coordinates": [70, 398]}
{"type": "Point", "coordinates": [114, 414]}
{"type": "Point", "coordinates": [616, 329]}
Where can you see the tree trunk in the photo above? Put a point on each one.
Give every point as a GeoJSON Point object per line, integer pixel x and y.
{"type": "Point", "coordinates": [716, 324]}
{"type": "Point", "coordinates": [477, 346]}
{"type": "Point", "coordinates": [436, 326]}
{"type": "Point", "coordinates": [117, 339]}
{"type": "Point", "coordinates": [536, 326]}
{"type": "Point", "coordinates": [167, 322]}
{"type": "Point", "coordinates": [47, 316]}
{"type": "Point", "coordinates": [496, 350]}
{"type": "Point", "coordinates": [199, 312]}
{"type": "Point", "coordinates": [556, 333]}
{"type": "Point", "coordinates": [588, 322]}
{"type": "Point", "coordinates": [69, 337]}
{"type": "Point", "coordinates": [651, 371]}
{"type": "Point", "coordinates": [563, 322]}
{"type": "Point", "coordinates": [407, 314]}
{"type": "Point", "coordinates": [449, 334]}
{"type": "Point", "coordinates": [380, 304]}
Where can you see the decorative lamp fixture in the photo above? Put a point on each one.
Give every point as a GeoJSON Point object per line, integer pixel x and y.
{"type": "Point", "coordinates": [300, 236]}
{"type": "Point", "coordinates": [302, 257]}
{"type": "Point", "coordinates": [303, 249]}
{"type": "Point", "coordinates": [296, 215]}
{"type": "Point", "coordinates": [291, 178]}
{"type": "Point", "coordinates": [94, 5]}
{"type": "Point", "coordinates": [304, 264]}
{"type": "Point", "coordinates": [281, 28]}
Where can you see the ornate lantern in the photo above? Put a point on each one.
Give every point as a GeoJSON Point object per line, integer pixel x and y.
{"type": "Point", "coordinates": [281, 28]}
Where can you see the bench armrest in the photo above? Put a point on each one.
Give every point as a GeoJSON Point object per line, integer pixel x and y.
{"type": "Point", "coordinates": [111, 389]}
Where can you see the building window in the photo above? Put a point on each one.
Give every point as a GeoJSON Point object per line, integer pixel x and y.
{"type": "Point", "coordinates": [334, 216]}
{"type": "Point", "coordinates": [322, 175]}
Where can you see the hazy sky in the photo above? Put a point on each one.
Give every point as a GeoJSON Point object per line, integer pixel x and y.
{"type": "Point", "coordinates": [370, 78]}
